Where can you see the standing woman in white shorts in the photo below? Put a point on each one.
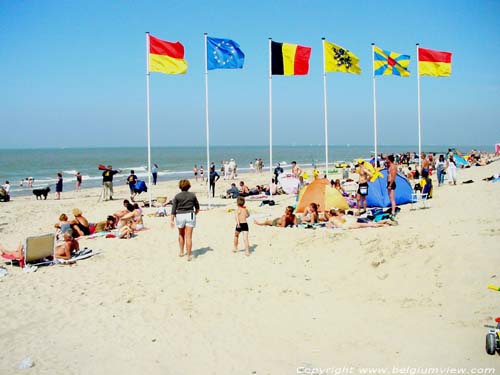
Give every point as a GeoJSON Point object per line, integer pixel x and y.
{"type": "Point", "coordinates": [185, 207]}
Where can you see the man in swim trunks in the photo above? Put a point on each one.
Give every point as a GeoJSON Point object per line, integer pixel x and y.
{"type": "Point", "coordinates": [364, 176]}
{"type": "Point", "coordinates": [391, 182]}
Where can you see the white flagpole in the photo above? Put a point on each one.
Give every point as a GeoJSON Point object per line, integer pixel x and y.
{"type": "Point", "coordinates": [374, 109]}
{"type": "Point", "coordinates": [148, 116]}
{"type": "Point", "coordinates": [270, 121]}
{"type": "Point", "coordinates": [419, 118]}
{"type": "Point", "coordinates": [326, 109]}
{"type": "Point", "coordinates": [206, 122]}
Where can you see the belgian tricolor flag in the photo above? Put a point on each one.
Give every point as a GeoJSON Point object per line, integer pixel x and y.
{"type": "Point", "coordinates": [289, 59]}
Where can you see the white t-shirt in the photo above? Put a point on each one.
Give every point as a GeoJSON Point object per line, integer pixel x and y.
{"type": "Point", "coordinates": [6, 187]}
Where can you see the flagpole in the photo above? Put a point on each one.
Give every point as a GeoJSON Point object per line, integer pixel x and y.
{"type": "Point", "coordinates": [206, 122]}
{"type": "Point", "coordinates": [270, 122]}
{"type": "Point", "coordinates": [419, 118]}
{"type": "Point", "coordinates": [148, 117]}
{"type": "Point", "coordinates": [374, 109]}
{"type": "Point", "coordinates": [326, 109]}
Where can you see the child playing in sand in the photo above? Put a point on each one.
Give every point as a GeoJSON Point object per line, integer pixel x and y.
{"type": "Point", "coordinates": [241, 225]}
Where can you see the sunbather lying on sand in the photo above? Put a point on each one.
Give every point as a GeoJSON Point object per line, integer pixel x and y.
{"type": "Point", "coordinates": [287, 220]}
{"type": "Point", "coordinates": [338, 219]}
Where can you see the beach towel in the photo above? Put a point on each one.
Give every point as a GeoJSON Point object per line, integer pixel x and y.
{"type": "Point", "coordinates": [79, 255]}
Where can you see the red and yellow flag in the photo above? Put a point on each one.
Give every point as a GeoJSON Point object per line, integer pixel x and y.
{"type": "Point", "coordinates": [289, 59]}
{"type": "Point", "coordinates": [434, 63]}
{"type": "Point", "coordinates": [166, 57]}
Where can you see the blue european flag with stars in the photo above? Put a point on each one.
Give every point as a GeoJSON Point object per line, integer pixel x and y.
{"type": "Point", "coordinates": [224, 54]}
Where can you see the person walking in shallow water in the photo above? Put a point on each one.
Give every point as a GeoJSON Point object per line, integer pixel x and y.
{"type": "Point", "coordinates": [185, 207]}
{"type": "Point", "coordinates": [78, 184]}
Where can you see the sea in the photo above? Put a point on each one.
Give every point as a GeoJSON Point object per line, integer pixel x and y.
{"type": "Point", "coordinates": [43, 164]}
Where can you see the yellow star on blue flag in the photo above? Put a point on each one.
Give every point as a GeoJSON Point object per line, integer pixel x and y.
{"type": "Point", "coordinates": [224, 54]}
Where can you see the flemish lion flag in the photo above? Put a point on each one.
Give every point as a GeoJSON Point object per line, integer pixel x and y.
{"type": "Point", "coordinates": [289, 59]}
{"type": "Point", "coordinates": [339, 59]}
{"type": "Point", "coordinates": [166, 57]}
{"type": "Point", "coordinates": [434, 63]}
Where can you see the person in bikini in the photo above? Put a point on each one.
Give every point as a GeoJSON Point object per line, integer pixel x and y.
{"type": "Point", "coordinates": [241, 217]}
{"type": "Point", "coordinates": [364, 177]}
{"type": "Point", "coordinates": [287, 220]}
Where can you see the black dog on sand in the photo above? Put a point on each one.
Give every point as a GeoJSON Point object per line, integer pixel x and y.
{"type": "Point", "coordinates": [41, 192]}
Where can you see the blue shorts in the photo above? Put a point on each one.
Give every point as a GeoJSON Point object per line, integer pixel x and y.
{"type": "Point", "coordinates": [187, 219]}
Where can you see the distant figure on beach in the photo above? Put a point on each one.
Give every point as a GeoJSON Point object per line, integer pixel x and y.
{"type": "Point", "coordinates": [364, 177]}
{"type": "Point", "coordinates": [315, 173]}
{"type": "Point", "coordinates": [154, 173]}
{"type": "Point", "coordinates": [441, 169]}
{"type": "Point", "coordinates": [59, 186]}
{"type": "Point", "coordinates": [6, 186]}
{"type": "Point", "coordinates": [425, 163]}
{"type": "Point", "coordinates": [195, 172]}
{"type": "Point", "coordinates": [185, 207]}
{"type": "Point", "coordinates": [202, 173]}
{"type": "Point", "coordinates": [78, 181]}
{"type": "Point", "coordinates": [31, 180]}
{"type": "Point", "coordinates": [241, 217]}
{"type": "Point", "coordinates": [296, 169]}
{"type": "Point", "coordinates": [451, 171]}
{"type": "Point", "coordinates": [107, 182]}
{"type": "Point", "coordinates": [277, 171]}
{"type": "Point", "coordinates": [391, 183]}
{"type": "Point", "coordinates": [21, 183]}
{"type": "Point", "coordinates": [131, 181]}
{"type": "Point", "coordinates": [232, 169]}
{"type": "Point", "coordinates": [214, 177]}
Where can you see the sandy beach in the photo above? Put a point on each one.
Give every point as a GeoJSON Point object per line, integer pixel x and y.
{"type": "Point", "coordinates": [413, 295]}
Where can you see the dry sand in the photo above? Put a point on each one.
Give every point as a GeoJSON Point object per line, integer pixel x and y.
{"type": "Point", "coordinates": [408, 296]}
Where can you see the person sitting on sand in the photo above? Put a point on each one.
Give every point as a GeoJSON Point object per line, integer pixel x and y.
{"type": "Point", "coordinates": [287, 220]}
{"type": "Point", "coordinates": [118, 214]}
{"type": "Point", "coordinates": [232, 192]}
{"type": "Point", "coordinates": [63, 224]}
{"type": "Point", "coordinates": [338, 219]}
{"type": "Point", "coordinates": [137, 223]}
{"type": "Point", "coordinates": [79, 224]}
{"type": "Point", "coordinates": [244, 190]}
{"type": "Point", "coordinates": [311, 214]}
{"type": "Point", "coordinates": [70, 245]}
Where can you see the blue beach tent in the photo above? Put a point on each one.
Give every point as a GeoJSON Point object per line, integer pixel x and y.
{"type": "Point", "coordinates": [460, 161]}
{"type": "Point", "coordinates": [377, 191]}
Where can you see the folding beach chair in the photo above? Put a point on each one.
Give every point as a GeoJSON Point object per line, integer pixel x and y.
{"type": "Point", "coordinates": [36, 248]}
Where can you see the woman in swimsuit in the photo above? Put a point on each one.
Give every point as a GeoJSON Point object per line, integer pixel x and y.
{"type": "Point", "coordinates": [287, 220]}
{"type": "Point", "coordinates": [79, 224]}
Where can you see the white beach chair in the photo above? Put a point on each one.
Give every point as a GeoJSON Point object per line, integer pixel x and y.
{"type": "Point", "coordinates": [417, 198]}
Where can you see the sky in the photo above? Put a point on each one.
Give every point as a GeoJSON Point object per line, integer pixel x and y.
{"type": "Point", "coordinates": [73, 73]}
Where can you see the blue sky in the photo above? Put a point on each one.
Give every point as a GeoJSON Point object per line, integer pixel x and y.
{"type": "Point", "coordinates": [72, 73]}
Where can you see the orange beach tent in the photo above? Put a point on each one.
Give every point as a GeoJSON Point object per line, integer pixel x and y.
{"type": "Point", "coordinates": [320, 192]}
